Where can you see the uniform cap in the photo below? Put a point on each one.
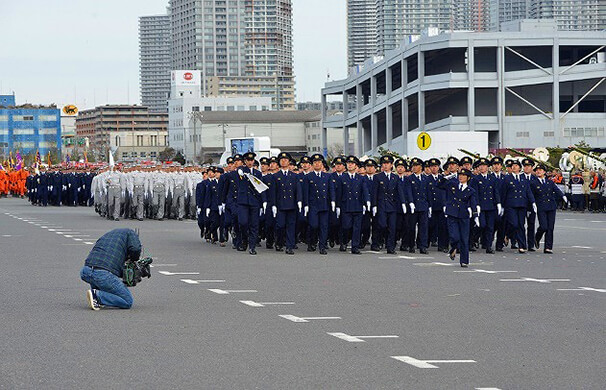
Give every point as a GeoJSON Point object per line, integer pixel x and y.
{"type": "Point", "coordinates": [338, 160]}
{"type": "Point", "coordinates": [515, 162]}
{"type": "Point", "coordinates": [432, 162]}
{"type": "Point", "coordinates": [284, 155]}
{"type": "Point", "coordinates": [540, 166]}
{"type": "Point", "coordinates": [230, 160]}
{"type": "Point", "coordinates": [353, 159]}
{"type": "Point", "coordinates": [250, 156]}
{"type": "Point", "coordinates": [273, 160]}
{"type": "Point", "coordinates": [527, 161]}
{"type": "Point", "coordinates": [482, 161]}
{"type": "Point", "coordinates": [386, 159]}
{"type": "Point", "coordinates": [401, 162]}
{"type": "Point", "coordinates": [264, 161]}
{"type": "Point", "coordinates": [466, 172]}
{"type": "Point", "coordinates": [238, 157]}
{"type": "Point", "coordinates": [496, 160]}
{"type": "Point", "coordinates": [466, 160]}
{"type": "Point", "coordinates": [416, 161]}
{"type": "Point", "coordinates": [372, 163]}
{"type": "Point", "coordinates": [317, 157]}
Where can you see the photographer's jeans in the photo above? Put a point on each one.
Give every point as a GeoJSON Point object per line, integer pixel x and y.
{"type": "Point", "coordinates": [111, 291]}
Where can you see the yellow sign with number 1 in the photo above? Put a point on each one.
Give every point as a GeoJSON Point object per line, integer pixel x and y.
{"type": "Point", "coordinates": [424, 141]}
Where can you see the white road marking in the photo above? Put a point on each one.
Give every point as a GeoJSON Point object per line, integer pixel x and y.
{"type": "Point", "coordinates": [358, 339]}
{"type": "Point", "coordinates": [535, 280]}
{"type": "Point", "coordinates": [292, 318]}
{"type": "Point", "coordinates": [415, 257]}
{"type": "Point", "coordinates": [263, 304]}
{"type": "Point", "coordinates": [583, 289]}
{"type": "Point", "coordinates": [427, 363]}
{"type": "Point", "coordinates": [59, 233]}
{"type": "Point", "coordinates": [486, 271]}
{"type": "Point", "coordinates": [189, 281]}
{"type": "Point", "coordinates": [226, 292]}
{"type": "Point", "coordinates": [581, 247]}
{"type": "Point", "coordinates": [68, 236]}
{"type": "Point", "coordinates": [178, 273]}
{"type": "Point", "coordinates": [435, 264]}
{"type": "Point", "coordinates": [6, 235]}
{"type": "Point", "coordinates": [77, 239]}
{"type": "Point", "coordinates": [162, 265]}
{"type": "Point", "coordinates": [487, 388]}
{"type": "Point", "coordinates": [51, 230]}
{"type": "Point", "coordinates": [89, 243]}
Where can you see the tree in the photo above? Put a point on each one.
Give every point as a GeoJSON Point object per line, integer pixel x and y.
{"type": "Point", "coordinates": [386, 152]}
{"type": "Point", "coordinates": [179, 158]}
{"type": "Point", "coordinates": [334, 150]}
{"type": "Point", "coordinates": [167, 154]}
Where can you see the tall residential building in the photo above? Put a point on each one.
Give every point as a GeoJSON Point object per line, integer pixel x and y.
{"type": "Point", "coordinates": [361, 31]}
{"type": "Point", "coordinates": [507, 10]}
{"type": "Point", "coordinates": [154, 61]}
{"type": "Point", "coordinates": [236, 39]}
{"type": "Point", "coordinates": [470, 15]}
{"type": "Point", "coordinates": [571, 14]}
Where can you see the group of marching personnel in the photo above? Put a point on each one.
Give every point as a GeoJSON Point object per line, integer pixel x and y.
{"type": "Point", "coordinates": [12, 182]}
{"type": "Point", "coordinates": [456, 207]}
{"type": "Point", "coordinates": [58, 186]}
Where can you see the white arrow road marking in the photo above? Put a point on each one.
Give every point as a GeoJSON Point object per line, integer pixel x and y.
{"type": "Point", "coordinates": [485, 271]}
{"type": "Point", "coordinates": [292, 318]}
{"type": "Point", "coordinates": [263, 304]}
{"type": "Point", "coordinates": [178, 273]}
{"type": "Point", "coordinates": [225, 292]}
{"type": "Point", "coordinates": [427, 363]}
{"type": "Point", "coordinates": [358, 339]}
{"type": "Point", "coordinates": [189, 281]}
{"type": "Point", "coordinates": [535, 280]}
{"type": "Point", "coordinates": [583, 289]}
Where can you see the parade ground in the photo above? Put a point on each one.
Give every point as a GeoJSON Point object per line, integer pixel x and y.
{"type": "Point", "coordinates": [215, 318]}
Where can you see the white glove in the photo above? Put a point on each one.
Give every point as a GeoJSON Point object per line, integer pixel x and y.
{"type": "Point", "coordinates": [305, 211]}
{"type": "Point", "coordinates": [363, 210]}
{"type": "Point", "coordinates": [220, 210]}
{"type": "Point", "coordinates": [274, 210]}
{"type": "Point", "coordinates": [338, 212]}
{"type": "Point", "coordinates": [264, 207]}
{"type": "Point", "coordinates": [333, 205]}
{"type": "Point", "coordinates": [198, 211]}
{"type": "Point", "coordinates": [444, 210]}
{"type": "Point", "coordinates": [261, 212]}
{"type": "Point", "coordinates": [300, 205]}
{"type": "Point", "coordinates": [374, 211]}
{"type": "Point", "coordinates": [240, 172]}
{"type": "Point", "coordinates": [477, 221]}
{"type": "Point", "coordinates": [499, 209]}
{"type": "Point", "coordinates": [78, 189]}
{"type": "Point", "coordinates": [470, 212]}
{"type": "Point", "coordinates": [51, 188]}
{"type": "Point", "coordinates": [565, 199]}
{"type": "Point", "coordinates": [123, 193]}
{"type": "Point", "coordinates": [429, 213]}
{"type": "Point", "coordinates": [207, 212]}
{"type": "Point", "coordinates": [534, 207]}
{"type": "Point", "coordinates": [478, 209]}
{"type": "Point", "coordinates": [404, 208]}
{"type": "Point", "coordinates": [223, 206]}
{"type": "Point", "coordinates": [368, 206]}
{"type": "Point", "coordinates": [412, 207]}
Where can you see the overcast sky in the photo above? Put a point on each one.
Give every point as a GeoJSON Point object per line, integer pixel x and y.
{"type": "Point", "coordinates": [86, 51]}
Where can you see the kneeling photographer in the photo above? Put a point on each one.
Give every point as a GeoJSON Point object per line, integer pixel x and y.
{"type": "Point", "coordinates": [112, 265]}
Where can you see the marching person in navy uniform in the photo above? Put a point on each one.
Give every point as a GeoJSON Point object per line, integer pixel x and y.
{"type": "Point", "coordinates": [496, 165]}
{"type": "Point", "coordinates": [419, 208]}
{"type": "Point", "coordinates": [438, 229]}
{"type": "Point", "coordinates": [517, 196]}
{"type": "Point", "coordinates": [316, 200]}
{"type": "Point", "coordinates": [386, 203]}
{"type": "Point", "coordinates": [489, 201]}
{"type": "Point", "coordinates": [301, 228]}
{"type": "Point", "coordinates": [228, 189]}
{"type": "Point", "coordinates": [200, 208]}
{"type": "Point", "coordinates": [370, 226]}
{"type": "Point", "coordinates": [249, 204]}
{"type": "Point", "coordinates": [269, 222]}
{"type": "Point", "coordinates": [459, 208]}
{"type": "Point", "coordinates": [531, 215]}
{"type": "Point", "coordinates": [353, 202]}
{"type": "Point", "coordinates": [212, 205]}
{"type": "Point", "coordinates": [286, 200]}
{"type": "Point", "coordinates": [405, 197]}
{"type": "Point", "coordinates": [547, 195]}
{"type": "Point", "coordinates": [335, 234]}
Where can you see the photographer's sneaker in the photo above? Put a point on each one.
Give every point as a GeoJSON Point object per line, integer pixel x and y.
{"type": "Point", "coordinates": [91, 298]}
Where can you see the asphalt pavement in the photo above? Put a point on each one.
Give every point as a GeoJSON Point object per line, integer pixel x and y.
{"type": "Point", "coordinates": [214, 318]}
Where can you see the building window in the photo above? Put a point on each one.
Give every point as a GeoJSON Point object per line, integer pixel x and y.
{"type": "Point", "coordinates": [253, 108]}
{"type": "Point", "coordinates": [139, 140]}
{"type": "Point", "coordinates": [134, 154]}
{"type": "Point", "coordinates": [208, 108]}
{"type": "Point", "coordinates": [47, 131]}
{"type": "Point", "coordinates": [153, 154]}
{"type": "Point", "coordinates": [195, 108]}
{"type": "Point", "coordinates": [23, 131]}
{"type": "Point", "coordinates": [230, 108]}
{"type": "Point", "coordinates": [124, 154]}
{"type": "Point", "coordinates": [153, 140]}
{"type": "Point", "coordinates": [117, 140]}
{"type": "Point", "coordinates": [523, 134]}
{"type": "Point", "coordinates": [46, 118]}
{"type": "Point", "coordinates": [3, 118]}
{"type": "Point", "coordinates": [548, 134]}
{"type": "Point", "coordinates": [143, 154]}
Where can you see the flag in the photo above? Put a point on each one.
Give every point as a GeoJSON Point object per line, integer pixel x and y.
{"type": "Point", "coordinates": [19, 161]}
{"type": "Point", "coordinates": [111, 160]}
{"type": "Point", "coordinates": [11, 162]}
{"type": "Point", "coordinates": [256, 183]}
{"type": "Point", "coordinates": [67, 159]}
{"type": "Point", "coordinates": [38, 159]}
{"type": "Point", "coordinates": [85, 158]}
{"type": "Point", "coordinates": [48, 159]}
{"type": "Point", "coordinates": [2, 168]}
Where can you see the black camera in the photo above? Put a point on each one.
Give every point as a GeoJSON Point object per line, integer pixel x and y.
{"type": "Point", "coordinates": [135, 271]}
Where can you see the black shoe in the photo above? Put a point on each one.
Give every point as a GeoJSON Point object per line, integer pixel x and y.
{"type": "Point", "coordinates": [463, 265]}
{"type": "Point", "coordinates": [514, 247]}
{"type": "Point", "coordinates": [311, 248]}
{"type": "Point", "coordinates": [489, 251]}
{"type": "Point", "coordinates": [452, 254]}
{"type": "Point", "coordinates": [241, 249]}
{"type": "Point", "coordinates": [269, 246]}
{"type": "Point", "coordinates": [391, 252]}
{"type": "Point", "coordinates": [434, 244]}
{"type": "Point", "coordinates": [290, 252]}
{"type": "Point", "coordinates": [423, 251]}
{"type": "Point", "coordinates": [116, 219]}
{"type": "Point", "coordinates": [323, 252]}
{"type": "Point", "coordinates": [279, 249]}
{"type": "Point", "coordinates": [252, 252]}
{"type": "Point", "coordinates": [356, 252]}
{"type": "Point", "coordinates": [342, 248]}
{"type": "Point", "coordinates": [445, 250]}
{"type": "Point", "coordinates": [537, 244]}
{"type": "Point", "coordinates": [296, 247]}
{"type": "Point", "coordinates": [531, 250]}
{"type": "Point", "coordinates": [402, 248]}
{"type": "Point", "coordinates": [160, 219]}
{"type": "Point", "coordinates": [472, 249]}
{"type": "Point", "coordinates": [375, 248]}
{"type": "Point", "coordinates": [331, 243]}
{"type": "Point", "coordinates": [548, 251]}
{"type": "Point", "coordinates": [411, 250]}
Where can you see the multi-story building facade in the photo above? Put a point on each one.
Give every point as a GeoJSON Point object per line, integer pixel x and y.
{"type": "Point", "coordinates": [571, 14]}
{"type": "Point", "coordinates": [28, 128]}
{"type": "Point", "coordinates": [526, 88]}
{"type": "Point", "coordinates": [237, 42]}
{"type": "Point", "coordinates": [361, 31]}
{"type": "Point", "coordinates": [502, 11]}
{"type": "Point", "coordinates": [103, 124]}
{"type": "Point", "coordinates": [154, 61]}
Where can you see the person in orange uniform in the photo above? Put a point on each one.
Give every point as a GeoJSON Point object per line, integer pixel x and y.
{"type": "Point", "coordinates": [22, 176]}
{"type": "Point", "coordinates": [12, 179]}
{"type": "Point", "coordinates": [3, 183]}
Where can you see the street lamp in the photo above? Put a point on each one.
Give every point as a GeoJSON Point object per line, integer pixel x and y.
{"type": "Point", "coordinates": [194, 116]}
